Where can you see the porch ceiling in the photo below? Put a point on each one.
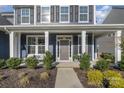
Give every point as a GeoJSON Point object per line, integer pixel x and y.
{"type": "Point", "coordinates": [65, 27]}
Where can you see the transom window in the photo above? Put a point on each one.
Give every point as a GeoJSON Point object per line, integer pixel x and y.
{"type": "Point", "coordinates": [45, 14]}
{"type": "Point", "coordinates": [36, 45]}
{"type": "Point", "coordinates": [64, 14]}
{"type": "Point", "coordinates": [25, 15]}
{"type": "Point", "coordinates": [83, 14]}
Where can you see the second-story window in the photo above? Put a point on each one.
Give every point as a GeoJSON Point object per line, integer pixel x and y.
{"type": "Point", "coordinates": [25, 15]}
{"type": "Point", "coordinates": [45, 14]}
{"type": "Point", "coordinates": [64, 14]}
{"type": "Point", "coordinates": [83, 14]}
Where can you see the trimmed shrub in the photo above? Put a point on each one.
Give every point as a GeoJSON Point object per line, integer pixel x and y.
{"type": "Point", "coordinates": [85, 62]}
{"type": "Point", "coordinates": [95, 77]}
{"type": "Point", "coordinates": [44, 76]}
{"type": "Point", "coordinates": [76, 57]}
{"type": "Point", "coordinates": [13, 63]}
{"type": "Point", "coordinates": [107, 56]}
{"type": "Point", "coordinates": [31, 62]}
{"type": "Point", "coordinates": [116, 83]}
{"type": "Point", "coordinates": [111, 74]}
{"type": "Point", "coordinates": [2, 63]}
{"type": "Point", "coordinates": [47, 60]}
{"type": "Point", "coordinates": [102, 65]}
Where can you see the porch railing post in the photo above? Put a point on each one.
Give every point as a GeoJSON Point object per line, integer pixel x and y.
{"type": "Point", "coordinates": [83, 41]}
{"type": "Point", "coordinates": [117, 46]}
{"type": "Point", "coordinates": [46, 40]}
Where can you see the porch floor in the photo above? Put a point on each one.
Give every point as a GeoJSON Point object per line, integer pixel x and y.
{"type": "Point", "coordinates": [68, 65]}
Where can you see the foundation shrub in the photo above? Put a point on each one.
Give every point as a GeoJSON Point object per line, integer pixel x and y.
{"type": "Point", "coordinates": [102, 64]}
{"type": "Point", "coordinates": [85, 62]}
{"type": "Point", "coordinates": [95, 77]}
{"type": "Point", "coordinates": [2, 63]}
{"type": "Point", "coordinates": [44, 76]}
{"type": "Point", "coordinates": [47, 60]}
{"type": "Point", "coordinates": [31, 62]}
{"type": "Point", "coordinates": [13, 63]}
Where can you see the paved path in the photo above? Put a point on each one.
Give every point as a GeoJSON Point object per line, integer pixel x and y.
{"type": "Point", "coordinates": [67, 78]}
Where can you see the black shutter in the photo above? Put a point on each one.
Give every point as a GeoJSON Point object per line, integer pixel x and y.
{"type": "Point", "coordinates": [71, 13]}
{"type": "Point", "coordinates": [52, 13]}
{"type": "Point", "coordinates": [32, 15]}
{"type": "Point", "coordinates": [57, 13]}
{"type": "Point", "coordinates": [91, 12]}
{"type": "Point", "coordinates": [76, 13]}
{"type": "Point", "coordinates": [38, 13]}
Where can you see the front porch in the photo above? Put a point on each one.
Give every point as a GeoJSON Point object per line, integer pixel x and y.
{"type": "Point", "coordinates": [63, 43]}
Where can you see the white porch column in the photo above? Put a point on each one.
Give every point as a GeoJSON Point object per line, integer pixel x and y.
{"type": "Point", "coordinates": [11, 43]}
{"type": "Point", "coordinates": [83, 41]}
{"type": "Point", "coordinates": [46, 40]}
{"type": "Point", "coordinates": [117, 46]}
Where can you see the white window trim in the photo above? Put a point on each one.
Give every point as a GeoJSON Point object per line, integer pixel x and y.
{"type": "Point", "coordinates": [26, 16]}
{"type": "Point", "coordinates": [36, 46]}
{"type": "Point", "coordinates": [83, 13]}
{"type": "Point", "coordinates": [49, 14]}
{"type": "Point", "coordinates": [65, 13]}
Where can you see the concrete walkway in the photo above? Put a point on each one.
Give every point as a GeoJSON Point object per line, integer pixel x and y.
{"type": "Point", "coordinates": [67, 78]}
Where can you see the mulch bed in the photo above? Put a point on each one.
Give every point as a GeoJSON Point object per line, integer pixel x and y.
{"type": "Point", "coordinates": [83, 78]}
{"type": "Point", "coordinates": [12, 79]}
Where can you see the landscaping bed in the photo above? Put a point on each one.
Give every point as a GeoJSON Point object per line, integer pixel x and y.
{"type": "Point", "coordinates": [83, 78]}
{"type": "Point", "coordinates": [11, 78]}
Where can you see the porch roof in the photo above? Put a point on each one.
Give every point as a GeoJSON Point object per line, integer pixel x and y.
{"type": "Point", "coordinates": [87, 27]}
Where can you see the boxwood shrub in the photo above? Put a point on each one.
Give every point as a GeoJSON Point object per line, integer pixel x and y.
{"type": "Point", "coordinates": [31, 62]}
{"type": "Point", "coordinates": [13, 63]}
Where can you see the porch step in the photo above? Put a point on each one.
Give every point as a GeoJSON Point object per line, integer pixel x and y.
{"type": "Point", "coordinates": [67, 65]}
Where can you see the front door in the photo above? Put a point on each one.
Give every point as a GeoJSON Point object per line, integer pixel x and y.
{"type": "Point", "coordinates": [64, 48]}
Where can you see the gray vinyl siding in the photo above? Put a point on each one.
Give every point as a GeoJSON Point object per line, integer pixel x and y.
{"type": "Point", "coordinates": [4, 45]}
{"type": "Point", "coordinates": [18, 14]}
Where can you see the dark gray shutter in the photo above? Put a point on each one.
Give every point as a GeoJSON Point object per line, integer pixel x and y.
{"type": "Point", "coordinates": [32, 15]}
{"type": "Point", "coordinates": [91, 12]}
{"type": "Point", "coordinates": [76, 13]}
{"type": "Point", "coordinates": [71, 13]}
{"type": "Point", "coordinates": [18, 15]}
{"type": "Point", "coordinates": [57, 13]}
{"type": "Point", "coordinates": [38, 13]}
{"type": "Point", "coordinates": [52, 13]}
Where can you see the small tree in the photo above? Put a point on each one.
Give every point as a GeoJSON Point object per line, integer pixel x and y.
{"type": "Point", "coordinates": [85, 62]}
{"type": "Point", "coordinates": [47, 60]}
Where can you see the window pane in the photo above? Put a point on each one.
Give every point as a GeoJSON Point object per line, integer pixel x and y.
{"type": "Point", "coordinates": [64, 17]}
{"type": "Point", "coordinates": [83, 17]}
{"type": "Point", "coordinates": [25, 12]}
{"type": "Point", "coordinates": [41, 41]}
{"type": "Point", "coordinates": [83, 9]}
{"type": "Point", "coordinates": [45, 10]}
{"type": "Point", "coordinates": [41, 49]}
{"type": "Point", "coordinates": [45, 18]}
{"type": "Point", "coordinates": [64, 9]}
{"type": "Point", "coordinates": [31, 49]}
{"type": "Point", "coordinates": [25, 19]}
{"type": "Point", "coordinates": [31, 40]}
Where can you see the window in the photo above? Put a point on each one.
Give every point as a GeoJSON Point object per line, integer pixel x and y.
{"type": "Point", "coordinates": [83, 14]}
{"type": "Point", "coordinates": [25, 15]}
{"type": "Point", "coordinates": [45, 14]}
{"type": "Point", "coordinates": [36, 44]}
{"type": "Point", "coordinates": [64, 14]}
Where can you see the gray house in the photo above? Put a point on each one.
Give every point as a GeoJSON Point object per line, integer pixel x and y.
{"type": "Point", "coordinates": [63, 30]}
